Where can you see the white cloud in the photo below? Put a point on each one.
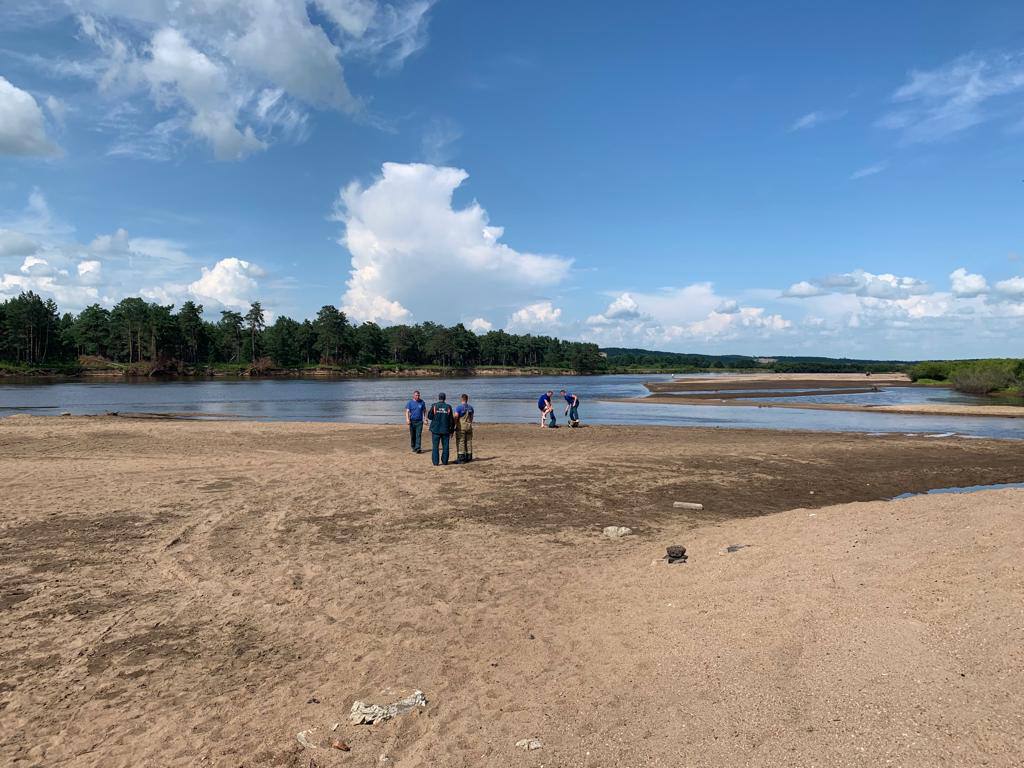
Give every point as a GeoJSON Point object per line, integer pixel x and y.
{"type": "Point", "coordinates": [691, 314]}
{"type": "Point", "coordinates": [230, 283]}
{"type": "Point", "coordinates": [1013, 286]}
{"type": "Point", "coordinates": [859, 283]}
{"type": "Point", "coordinates": [868, 170]}
{"type": "Point", "coordinates": [22, 125]}
{"type": "Point", "coordinates": [939, 103]}
{"type": "Point", "coordinates": [238, 74]}
{"type": "Point", "coordinates": [90, 271]}
{"type": "Point", "coordinates": [966, 285]}
{"type": "Point", "coordinates": [540, 314]}
{"type": "Point", "coordinates": [803, 290]}
{"type": "Point", "coordinates": [413, 254]}
{"type": "Point", "coordinates": [178, 71]}
{"type": "Point", "coordinates": [34, 265]}
{"type": "Point", "coordinates": [480, 325]}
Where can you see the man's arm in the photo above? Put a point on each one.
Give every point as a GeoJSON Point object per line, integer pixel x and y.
{"type": "Point", "coordinates": [408, 416]}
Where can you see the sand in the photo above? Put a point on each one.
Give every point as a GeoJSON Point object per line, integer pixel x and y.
{"type": "Point", "coordinates": [736, 390]}
{"type": "Point", "coordinates": [189, 593]}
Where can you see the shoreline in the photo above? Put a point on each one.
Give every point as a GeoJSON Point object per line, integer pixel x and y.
{"type": "Point", "coordinates": [744, 391]}
{"type": "Point", "coordinates": [924, 409]}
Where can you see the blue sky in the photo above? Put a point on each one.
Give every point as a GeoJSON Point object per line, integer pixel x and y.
{"type": "Point", "coordinates": [845, 180]}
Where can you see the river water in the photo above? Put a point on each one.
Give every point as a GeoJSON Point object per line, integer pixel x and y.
{"type": "Point", "coordinates": [499, 399]}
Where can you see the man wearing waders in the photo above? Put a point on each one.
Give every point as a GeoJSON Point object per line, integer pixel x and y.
{"type": "Point", "coordinates": [572, 408]}
{"type": "Point", "coordinates": [442, 424]}
{"type": "Point", "coordinates": [464, 431]}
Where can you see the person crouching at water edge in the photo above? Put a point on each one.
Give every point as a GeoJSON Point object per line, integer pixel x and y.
{"type": "Point", "coordinates": [442, 424]}
{"type": "Point", "coordinates": [572, 408]}
{"type": "Point", "coordinates": [545, 408]}
{"type": "Point", "coordinates": [414, 410]}
{"type": "Point", "coordinates": [464, 431]}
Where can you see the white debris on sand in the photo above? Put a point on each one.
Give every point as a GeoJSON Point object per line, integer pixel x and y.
{"type": "Point", "coordinates": [371, 714]}
{"type": "Point", "coordinates": [617, 531]}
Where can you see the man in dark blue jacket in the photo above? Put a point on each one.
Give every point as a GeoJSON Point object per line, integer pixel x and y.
{"type": "Point", "coordinates": [442, 424]}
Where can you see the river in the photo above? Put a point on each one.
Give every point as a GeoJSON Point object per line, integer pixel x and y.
{"type": "Point", "coordinates": [498, 399]}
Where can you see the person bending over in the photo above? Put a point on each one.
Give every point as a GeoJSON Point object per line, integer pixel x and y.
{"type": "Point", "coordinates": [572, 408]}
{"type": "Point", "coordinates": [544, 406]}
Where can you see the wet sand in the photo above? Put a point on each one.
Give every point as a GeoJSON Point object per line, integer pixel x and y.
{"type": "Point", "coordinates": [197, 593]}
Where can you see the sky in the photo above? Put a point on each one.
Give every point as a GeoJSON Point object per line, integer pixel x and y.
{"type": "Point", "coordinates": [797, 178]}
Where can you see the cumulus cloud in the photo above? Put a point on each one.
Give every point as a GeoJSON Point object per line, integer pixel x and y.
{"type": "Point", "coordinates": [235, 74]}
{"type": "Point", "coordinates": [1013, 286]}
{"type": "Point", "coordinates": [939, 103]}
{"type": "Point", "coordinates": [541, 314]}
{"type": "Point", "coordinates": [691, 314]}
{"type": "Point", "coordinates": [966, 285]}
{"type": "Point", "coordinates": [112, 266]}
{"type": "Point", "coordinates": [803, 290]}
{"type": "Point", "coordinates": [480, 325]}
{"type": "Point", "coordinates": [229, 283]}
{"type": "Point", "coordinates": [413, 252]}
{"type": "Point", "coordinates": [22, 125]}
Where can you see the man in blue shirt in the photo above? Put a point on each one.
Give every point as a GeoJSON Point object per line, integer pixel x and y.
{"type": "Point", "coordinates": [414, 410]}
{"type": "Point", "coordinates": [442, 424]}
{"type": "Point", "coordinates": [572, 408]}
{"type": "Point", "coordinates": [544, 406]}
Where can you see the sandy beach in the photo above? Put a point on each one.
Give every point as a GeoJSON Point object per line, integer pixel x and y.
{"type": "Point", "coordinates": [182, 593]}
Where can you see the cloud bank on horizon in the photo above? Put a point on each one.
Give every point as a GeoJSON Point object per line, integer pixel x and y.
{"type": "Point", "coordinates": [234, 85]}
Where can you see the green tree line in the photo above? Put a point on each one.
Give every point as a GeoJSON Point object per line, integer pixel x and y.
{"type": "Point", "coordinates": [33, 333]}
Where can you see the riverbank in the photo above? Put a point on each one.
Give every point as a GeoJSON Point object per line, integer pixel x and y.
{"type": "Point", "coordinates": [179, 593]}
{"type": "Point", "coordinates": [752, 391]}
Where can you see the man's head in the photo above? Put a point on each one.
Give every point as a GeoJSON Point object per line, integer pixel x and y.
{"type": "Point", "coordinates": [562, 391]}
{"type": "Point", "coordinates": [550, 393]}
{"type": "Point", "coordinates": [465, 398]}
{"type": "Point", "coordinates": [416, 394]}
{"type": "Point", "coordinates": [441, 397]}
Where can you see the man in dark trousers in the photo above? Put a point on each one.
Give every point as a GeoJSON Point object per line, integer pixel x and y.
{"type": "Point", "coordinates": [442, 424]}
{"type": "Point", "coordinates": [572, 408]}
{"type": "Point", "coordinates": [414, 410]}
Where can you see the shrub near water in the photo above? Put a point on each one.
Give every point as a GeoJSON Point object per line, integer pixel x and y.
{"type": "Point", "coordinates": [986, 376]}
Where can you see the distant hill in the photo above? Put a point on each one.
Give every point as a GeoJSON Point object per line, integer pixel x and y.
{"type": "Point", "coordinates": [625, 357]}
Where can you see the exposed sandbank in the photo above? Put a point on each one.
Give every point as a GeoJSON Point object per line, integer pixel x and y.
{"type": "Point", "coordinates": [184, 593]}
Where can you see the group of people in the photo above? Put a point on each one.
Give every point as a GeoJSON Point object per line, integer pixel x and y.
{"type": "Point", "coordinates": [446, 421]}
{"type": "Point", "coordinates": [547, 410]}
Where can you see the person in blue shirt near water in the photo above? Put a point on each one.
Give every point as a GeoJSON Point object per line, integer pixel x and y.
{"type": "Point", "coordinates": [572, 408]}
{"type": "Point", "coordinates": [414, 410]}
{"type": "Point", "coordinates": [544, 406]}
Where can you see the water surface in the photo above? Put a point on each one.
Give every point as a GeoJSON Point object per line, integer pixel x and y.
{"type": "Point", "coordinates": [503, 399]}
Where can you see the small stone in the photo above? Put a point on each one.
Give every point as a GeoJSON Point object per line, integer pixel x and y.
{"type": "Point", "coordinates": [529, 744]}
{"type": "Point", "coordinates": [675, 554]}
{"type": "Point", "coordinates": [341, 745]}
{"type": "Point", "coordinates": [617, 531]}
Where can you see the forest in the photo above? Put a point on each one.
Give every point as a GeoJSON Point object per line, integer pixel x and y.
{"type": "Point", "coordinates": [146, 337]}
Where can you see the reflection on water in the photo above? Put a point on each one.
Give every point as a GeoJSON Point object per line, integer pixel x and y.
{"type": "Point", "coordinates": [961, 489]}
{"type": "Point", "coordinates": [498, 399]}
